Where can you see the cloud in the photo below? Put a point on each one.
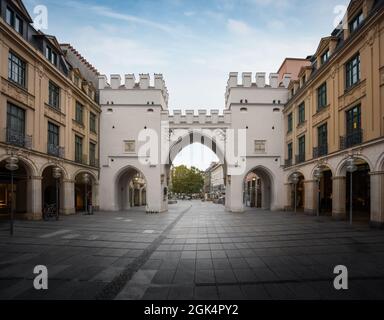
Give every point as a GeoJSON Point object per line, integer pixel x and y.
{"type": "Point", "coordinates": [238, 27]}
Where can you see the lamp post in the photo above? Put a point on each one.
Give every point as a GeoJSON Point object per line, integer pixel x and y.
{"type": "Point", "coordinates": [351, 168]}
{"type": "Point", "coordinates": [295, 181]}
{"type": "Point", "coordinates": [86, 181]}
{"type": "Point", "coordinates": [12, 165]}
{"type": "Point", "coordinates": [56, 173]}
{"type": "Point", "coordinates": [318, 174]}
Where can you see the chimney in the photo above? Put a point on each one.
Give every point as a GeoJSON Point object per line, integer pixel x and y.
{"type": "Point", "coordinates": [260, 79]}
{"type": "Point", "coordinates": [287, 79]}
{"type": "Point", "coordinates": [232, 81]}
{"type": "Point", "coordinates": [144, 81]}
{"type": "Point", "coordinates": [247, 79]}
{"type": "Point", "coordinates": [274, 80]}
{"type": "Point", "coordinates": [102, 82]}
{"type": "Point", "coordinates": [159, 81]}
{"type": "Point", "coordinates": [115, 81]}
{"type": "Point", "coordinates": [130, 81]}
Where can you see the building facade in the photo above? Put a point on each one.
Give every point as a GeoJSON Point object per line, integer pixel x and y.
{"type": "Point", "coordinates": [49, 119]}
{"type": "Point", "coordinates": [336, 111]}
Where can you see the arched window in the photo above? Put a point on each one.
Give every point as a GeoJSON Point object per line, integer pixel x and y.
{"type": "Point", "coordinates": [243, 110]}
{"type": "Point", "coordinates": [150, 110]}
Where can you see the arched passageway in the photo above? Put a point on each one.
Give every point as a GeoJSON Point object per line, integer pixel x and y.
{"type": "Point", "coordinates": [21, 190]}
{"type": "Point", "coordinates": [131, 188]}
{"type": "Point", "coordinates": [51, 188]}
{"type": "Point", "coordinates": [258, 191]}
{"type": "Point", "coordinates": [297, 192]}
{"type": "Point", "coordinates": [85, 192]}
{"type": "Point", "coordinates": [324, 193]}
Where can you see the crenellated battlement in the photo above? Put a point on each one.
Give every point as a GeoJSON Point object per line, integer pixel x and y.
{"type": "Point", "coordinates": [130, 83]}
{"type": "Point", "coordinates": [259, 80]}
{"type": "Point", "coordinates": [254, 82]}
{"type": "Point", "coordinates": [201, 117]}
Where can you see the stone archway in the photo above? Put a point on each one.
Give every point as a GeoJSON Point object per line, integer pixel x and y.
{"type": "Point", "coordinates": [130, 186]}
{"type": "Point", "coordinates": [361, 191]}
{"type": "Point", "coordinates": [85, 191]}
{"type": "Point", "coordinates": [258, 189]}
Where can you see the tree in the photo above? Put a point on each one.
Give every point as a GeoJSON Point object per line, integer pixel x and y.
{"type": "Point", "coordinates": [187, 181]}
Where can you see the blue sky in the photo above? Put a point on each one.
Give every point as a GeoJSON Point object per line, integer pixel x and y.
{"type": "Point", "coordinates": [194, 44]}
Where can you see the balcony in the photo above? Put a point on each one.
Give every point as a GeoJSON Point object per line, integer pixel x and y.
{"type": "Point", "coordinates": [288, 163]}
{"type": "Point", "coordinates": [55, 150]}
{"type": "Point", "coordinates": [94, 163]}
{"type": "Point", "coordinates": [81, 159]}
{"type": "Point", "coordinates": [351, 139]}
{"type": "Point", "coordinates": [300, 158]}
{"type": "Point", "coordinates": [16, 138]}
{"type": "Point", "coordinates": [320, 151]}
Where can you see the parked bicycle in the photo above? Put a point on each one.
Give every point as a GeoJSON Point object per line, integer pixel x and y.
{"type": "Point", "coordinates": [50, 211]}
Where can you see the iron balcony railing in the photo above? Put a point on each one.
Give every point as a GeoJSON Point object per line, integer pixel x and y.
{"type": "Point", "coordinates": [55, 150]}
{"type": "Point", "coordinates": [82, 159]}
{"type": "Point", "coordinates": [320, 151]}
{"type": "Point", "coordinates": [351, 139]}
{"type": "Point", "coordinates": [17, 138]}
{"type": "Point", "coordinates": [94, 162]}
{"type": "Point", "coordinates": [288, 162]}
{"type": "Point", "coordinates": [300, 158]}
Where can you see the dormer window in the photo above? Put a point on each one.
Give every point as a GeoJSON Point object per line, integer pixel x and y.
{"type": "Point", "coordinates": [51, 55]}
{"type": "Point", "coordinates": [324, 57]}
{"type": "Point", "coordinates": [14, 20]}
{"type": "Point", "coordinates": [356, 22]}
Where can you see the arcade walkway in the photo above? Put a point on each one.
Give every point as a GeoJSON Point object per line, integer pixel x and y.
{"type": "Point", "coordinates": [196, 251]}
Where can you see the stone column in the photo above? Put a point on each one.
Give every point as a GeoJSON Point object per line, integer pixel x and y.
{"type": "Point", "coordinates": [288, 197]}
{"type": "Point", "coordinates": [34, 198]}
{"type": "Point", "coordinates": [377, 199]}
{"type": "Point", "coordinates": [339, 198]}
{"type": "Point", "coordinates": [68, 203]}
{"type": "Point", "coordinates": [95, 196]}
{"type": "Point", "coordinates": [310, 194]}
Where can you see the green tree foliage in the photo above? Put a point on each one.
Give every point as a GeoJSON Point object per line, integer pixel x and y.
{"type": "Point", "coordinates": [187, 181]}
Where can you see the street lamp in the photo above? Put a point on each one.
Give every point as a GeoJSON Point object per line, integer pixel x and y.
{"type": "Point", "coordinates": [295, 181]}
{"type": "Point", "coordinates": [318, 174]}
{"type": "Point", "coordinates": [351, 168]}
{"type": "Point", "coordinates": [56, 173]}
{"type": "Point", "coordinates": [12, 165]}
{"type": "Point", "coordinates": [86, 181]}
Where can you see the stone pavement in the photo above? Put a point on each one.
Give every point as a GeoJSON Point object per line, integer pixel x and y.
{"type": "Point", "coordinates": [196, 251]}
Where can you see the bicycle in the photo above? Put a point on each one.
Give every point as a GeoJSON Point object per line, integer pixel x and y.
{"type": "Point", "coordinates": [50, 211]}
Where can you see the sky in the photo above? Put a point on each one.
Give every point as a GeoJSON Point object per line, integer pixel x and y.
{"type": "Point", "coordinates": [193, 43]}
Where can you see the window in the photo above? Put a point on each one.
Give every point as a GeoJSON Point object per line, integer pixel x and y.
{"type": "Point", "coordinates": [301, 113]}
{"type": "Point", "coordinates": [260, 146]}
{"type": "Point", "coordinates": [19, 25]}
{"type": "Point", "coordinates": [129, 146]}
{"type": "Point", "coordinates": [301, 149]}
{"type": "Point", "coordinates": [54, 95]}
{"type": "Point", "coordinates": [77, 81]}
{"type": "Point", "coordinates": [79, 113]}
{"type": "Point", "coordinates": [15, 125]}
{"type": "Point", "coordinates": [14, 20]}
{"type": "Point", "coordinates": [324, 57]}
{"type": "Point", "coordinates": [290, 151]}
{"type": "Point", "coordinates": [322, 96]}
{"type": "Point", "coordinates": [16, 70]}
{"type": "Point", "coordinates": [352, 71]}
{"type": "Point", "coordinates": [51, 55]}
{"type": "Point", "coordinates": [354, 131]}
{"type": "Point", "coordinates": [92, 122]}
{"type": "Point", "coordinates": [356, 22]}
{"type": "Point", "coordinates": [53, 139]}
{"type": "Point", "coordinates": [322, 140]}
{"type": "Point", "coordinates": [92, 154]}
{"type": "Point", "coordinates": [9, 16]}
{"type": "Point", "coordinates": [78, 149]}
{"type": "Point", "coordinates": [353, 119]}
{"type": "Point", "coordinates": [290, 123]}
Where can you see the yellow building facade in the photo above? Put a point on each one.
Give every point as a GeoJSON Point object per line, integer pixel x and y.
{"type": "Point", "coordinates": [49, 118]}
{"type": "Point", "coordinates": [336, 111]}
